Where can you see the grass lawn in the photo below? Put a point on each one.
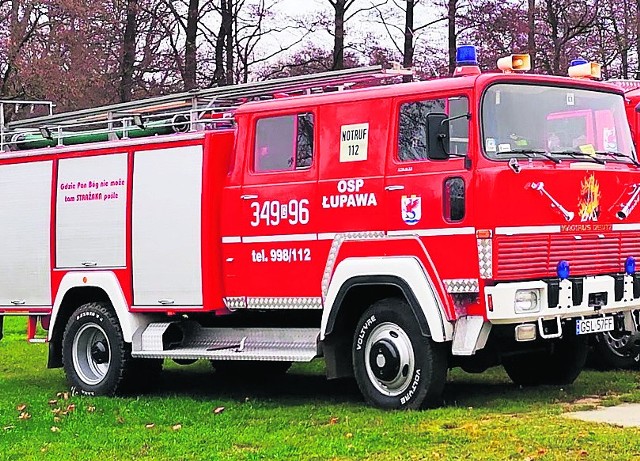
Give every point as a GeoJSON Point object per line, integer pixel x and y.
{"type": "Point", "coordinates": [301, 416]}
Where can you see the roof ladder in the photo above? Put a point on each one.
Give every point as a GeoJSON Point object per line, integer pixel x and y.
{"type": "Point", "coordinates": [186, 111]}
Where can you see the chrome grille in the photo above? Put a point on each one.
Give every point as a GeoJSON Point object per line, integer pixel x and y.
{"type": "Point", "coordinates": [536, 256]}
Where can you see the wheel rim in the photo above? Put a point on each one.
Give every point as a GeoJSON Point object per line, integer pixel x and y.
{"type": "Point", "coordinates": [616, 343]}
{"type": "Point", "coordinates": [91, 353]}
{"type": "Point", "coordinates": [389, 359]}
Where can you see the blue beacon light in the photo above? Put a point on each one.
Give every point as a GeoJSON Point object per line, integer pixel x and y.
{"type": "Point", "coordinates": [578, 62]}
{"type": "Point", "coordinates": [563, 270]}
{"type": "Point", "coordinates": [466, 55]}
{"type": "Point", "coordinates": [630, 265]}
{"type": "Point", "coordinates": [466, 61]}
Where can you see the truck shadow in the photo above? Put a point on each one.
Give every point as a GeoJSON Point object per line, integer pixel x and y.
{"type": "Point", "coordinates": [298, 388]}
{"type": "Point", "coordinates": [289, 388]}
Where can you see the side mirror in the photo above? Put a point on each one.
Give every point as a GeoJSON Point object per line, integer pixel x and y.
{"type": "Point", "coordinates": [437, 136]}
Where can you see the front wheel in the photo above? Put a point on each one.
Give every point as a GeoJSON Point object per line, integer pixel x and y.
{"type": "Point", "coordinates": [395, 366]}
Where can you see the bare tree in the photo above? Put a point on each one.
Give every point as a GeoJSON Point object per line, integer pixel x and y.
{"type": "Point", "coordinates": [565, 21]}
{"type": "Point", "coordinates": [407, 29]}
{"type": "Point", "coordinates": [190, 51]}
{"type": "Point", "coordinates": [128, 51]}
{"type": "Point", "coordinates": [531, 33]}
{"type": "Point", "coordinates": [452, 8]}
{"type": "Point", "coordinates": [341, 8]}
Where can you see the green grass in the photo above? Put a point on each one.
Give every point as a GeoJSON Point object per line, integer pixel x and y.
{"type": "Point", "coordinates": [302, 416]}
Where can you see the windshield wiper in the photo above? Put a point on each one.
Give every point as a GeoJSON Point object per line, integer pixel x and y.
{"type": "Point", "coordinates": [618, 155]}
{"type": "Point", "coordinates": [530, 153]}
{"type": "Point", "coordinates": [579, 154]}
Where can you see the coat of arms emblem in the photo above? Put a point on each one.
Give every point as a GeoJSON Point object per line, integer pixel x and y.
{"type": "Point", "coordinates": [411, 209]}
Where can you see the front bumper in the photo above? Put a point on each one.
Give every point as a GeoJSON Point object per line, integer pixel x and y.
{"type": "Point", "coordinates": [571, 301]}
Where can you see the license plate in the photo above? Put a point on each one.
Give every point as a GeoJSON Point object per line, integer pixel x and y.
{"type": "Point", "coordinates": [597, 325]}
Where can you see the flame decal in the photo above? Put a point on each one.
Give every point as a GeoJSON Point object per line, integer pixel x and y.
{"type": "Point", "coordinates": [589, 203]}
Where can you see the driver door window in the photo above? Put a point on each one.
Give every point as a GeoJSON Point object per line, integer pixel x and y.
{"type": "Point", "coordinates": [412, 129]}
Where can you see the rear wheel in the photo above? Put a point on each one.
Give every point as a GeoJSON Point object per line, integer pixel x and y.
{"type": "Point", "coordinates": [613, 350]}
{"type": "Point", "coordinates": [560, 364]}
{"type": "Point", "coordinates": [97, 360]}
{"type": "Point", "coordinates": [395, 366]}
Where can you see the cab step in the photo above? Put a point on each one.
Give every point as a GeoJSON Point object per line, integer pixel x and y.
{"type": "Point", "coordinates": [188, 340]}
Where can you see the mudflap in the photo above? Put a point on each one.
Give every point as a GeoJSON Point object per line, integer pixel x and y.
{"type": "Point", "coordinates": [1, 327]}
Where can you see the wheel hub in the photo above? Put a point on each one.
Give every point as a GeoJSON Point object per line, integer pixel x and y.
{"type": "Point", "coordinates": [99, 352]}
{"type": "Point", "coordinates": [389, 359]}
{"type": "Point", "coordinates": [384, 360]}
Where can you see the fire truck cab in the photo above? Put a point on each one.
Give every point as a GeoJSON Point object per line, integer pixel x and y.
{"type": "Point", "coordinates": [395, 230]}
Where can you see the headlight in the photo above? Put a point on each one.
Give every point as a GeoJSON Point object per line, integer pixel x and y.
{"type": "Point", "coordinates": [527, 301]}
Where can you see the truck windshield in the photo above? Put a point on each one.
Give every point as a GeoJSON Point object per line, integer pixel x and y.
{"type": "Point", "coordinates": [565, 123]}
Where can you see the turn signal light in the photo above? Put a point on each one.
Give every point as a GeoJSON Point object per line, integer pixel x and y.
{"type": "Point", "coordinates": [514, 63]}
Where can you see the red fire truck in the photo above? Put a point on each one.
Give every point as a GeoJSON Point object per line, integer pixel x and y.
{"type": "Point", "coordinates": [394, 230]}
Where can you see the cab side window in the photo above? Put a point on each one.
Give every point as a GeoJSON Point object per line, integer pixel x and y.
{"type": "Point", "coordinates": [284, 143]}
{"type": "Point", "coordinates": [412, 132]}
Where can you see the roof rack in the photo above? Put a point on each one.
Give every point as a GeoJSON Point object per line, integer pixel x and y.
{"type": "Point", "coordinates": [182, 112]}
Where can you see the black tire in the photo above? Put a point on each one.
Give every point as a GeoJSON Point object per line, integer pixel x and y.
{"type": "Point", "coordinates": [559, 365]}
{"type": "Point", "coordinates": [610, 352]}
{"type": "Point", "coordinates": [395, 366]}
{"type": "Point", "coordinates": [241, 369]}
{"type": "Point", "coordinates": [97, 360]}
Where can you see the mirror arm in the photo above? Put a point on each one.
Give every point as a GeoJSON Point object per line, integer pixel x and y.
{"type": "Point", "coordinates": [457, 117]}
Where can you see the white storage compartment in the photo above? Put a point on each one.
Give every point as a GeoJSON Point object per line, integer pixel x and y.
{"type": "Point", "coordinates": [91, 210]}
{"type": "Point", "coordinates": [167, 200]}
{"type": "Point", "coordinates": [25, 233]}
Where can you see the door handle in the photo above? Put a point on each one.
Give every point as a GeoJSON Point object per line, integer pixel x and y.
{"type": "Point", "coordinates": [18, 302]}
{"type": "Point", "coordinates": [89, 263]}
{"type": "Point", "coordinates": [398, 187]}
{"type": "Point", "coordinates": [249, 197]}
{"type": "Point", "coordinates": [166, 302]}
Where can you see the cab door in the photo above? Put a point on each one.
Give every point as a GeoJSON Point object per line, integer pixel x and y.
{"type": "Point", "coordinates": [279, 236]}
{"type": "Point", "coordinates": [430, 198]}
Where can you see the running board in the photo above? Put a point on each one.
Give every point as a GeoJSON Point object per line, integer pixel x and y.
{"type": "Point", "coordinates": [188, 340]}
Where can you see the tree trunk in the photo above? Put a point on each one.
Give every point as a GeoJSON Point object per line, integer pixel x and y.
{"type": "Point", "coordinates": [129, 51]}
{"type": "Point", "coordinates": [338, 44]}
{"type": "Point", "coordinates": [624, 51]}
{"type": "Point", "coordinates": [190, 57]}
{"type": "Point", "coordinates": [531, 42]}
{"type": "Point", "coordinates": [452, 7]}
{"type": "Point", "coordinates": [218, 73]}
{"type": "Point", "coordinates": [552, 17]}
{"type": "Point", "coordinates": [228, 20]}
{"type": "Point", "coordinates": [407, 60]}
